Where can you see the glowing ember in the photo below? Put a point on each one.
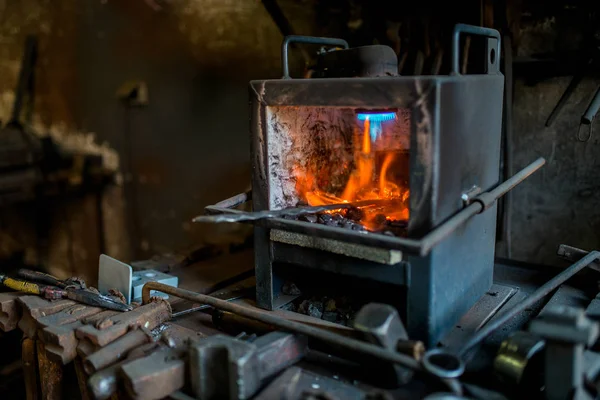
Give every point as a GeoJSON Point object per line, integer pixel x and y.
{"type": "Point", "coordinates": [366, 182]}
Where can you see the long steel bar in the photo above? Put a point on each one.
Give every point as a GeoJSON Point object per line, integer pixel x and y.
{"type": "Point", "coordinates": [536, 296]}
{"type": "Point", "coordinates": [287, 325]}
{"type": "Point", "coordinates": [413, 246]}
{"type": "Point", "coordinates": [287, 212]}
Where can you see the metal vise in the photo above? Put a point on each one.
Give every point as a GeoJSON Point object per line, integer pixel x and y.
{"type": "Point", "coordinates": [223, 367]}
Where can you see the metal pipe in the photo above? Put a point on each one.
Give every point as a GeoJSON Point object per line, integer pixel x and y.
{"type": "Point", "coordinates": [536, 296]}
{"type": "Point", "coordinates": [242, 216]}
{"type": "Point", "coordinates": [287, 325]}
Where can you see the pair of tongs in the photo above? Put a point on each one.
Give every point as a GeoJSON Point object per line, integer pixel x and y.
{"type": "Point", "coordinates": [51, 288]}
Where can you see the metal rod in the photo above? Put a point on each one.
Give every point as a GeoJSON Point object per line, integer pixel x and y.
{"type": "Point", "coordinates": [421, 247]}
{"type": "Point", "coordinates": [287, 212]}
{"type": "Point", "coordinates": [234, 201]}
{"type": "Point", "coordinates": [287, 325]}
{"type": "Point", "coordinates": [573, 254]}
{"type": "Point", "coordinates": [480, 203]}
{"type": "Point", "coordinates": [536, 296]}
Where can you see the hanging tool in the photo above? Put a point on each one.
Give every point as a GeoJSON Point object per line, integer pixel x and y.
{"type": "Point", "coordinates": [588, 118]}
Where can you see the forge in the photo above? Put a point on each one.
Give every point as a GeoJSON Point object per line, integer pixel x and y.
{"type": "Point", "coordinates": [407, 157]}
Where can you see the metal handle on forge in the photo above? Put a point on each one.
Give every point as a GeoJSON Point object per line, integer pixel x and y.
{"type": "Point", "coordinates": [308, 40]}
{"type": "Point", "coordinates": [471, 30]}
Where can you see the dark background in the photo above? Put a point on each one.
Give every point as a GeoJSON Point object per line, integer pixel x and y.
{"type": "Point", "coordinates": [188, 147]}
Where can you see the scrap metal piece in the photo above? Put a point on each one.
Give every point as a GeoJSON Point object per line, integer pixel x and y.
{"type": "Point", "coordinates": [33, 308]}
{"type": "Point", "coordinates": [114, 274]}
{"type": "Point", "coordinates": [148, 316]}
{"type": "Point", "coordinates": [381, 325]}
{"type": "Point", "coordinates": [116, 350]}
{"type": "Point", "coordinates": [519, 356]}
{"type": "Point", "coordinates": [567, 331]}
{"type": "Point", "coordinates": [412, 348]}
{"type": "Point", "coordinates": [154, 376]}
{"type": "Point", "coordinates": [223, 367]}
{"type": "Point", "coordinates": [10, 313]}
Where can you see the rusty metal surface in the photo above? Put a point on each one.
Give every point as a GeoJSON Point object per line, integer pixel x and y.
{"type": "Point", "coordinates": [34, 307]}
{"type": "Point", "coordinates": [115, 350]}
{"type": "Point", "coordinates": [68, 315]}
{"type": "Point", "coordinates": [82, 378]}
{"type": "Point", "coordinates": [60, 341]}
{"type": "Point", "coordinates": [294, 384]}
{"type": "Point", "coordinates": [226, 367]}
{"type": "Point", "coordinates": [148, 316]}
{"type": "Point", "coordinates": [9, 311]}
{"type": "Point", "coordinates": [103, 384]}
{"type": "Point", "coordinates": [177, 336]}
{"type": "Point", "coordinates": [51, 375]}
{"type": "Point", "coordinates": [154, 376]}
{"type": "Point", "coordinates": [85, 348]}
{"type": "Point", "coordinates": [341, 342]}
{"type": "Point", "coordinates": [30, 375]}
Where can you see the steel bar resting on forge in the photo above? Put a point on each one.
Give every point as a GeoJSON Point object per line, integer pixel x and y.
{"type": "Point", "coordinates": [421, 247]}
{"type": "Point", "coordinates": [287, 325]}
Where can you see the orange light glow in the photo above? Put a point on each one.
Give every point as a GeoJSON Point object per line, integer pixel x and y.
{"type": "Point", "coordinates": [365, 182]}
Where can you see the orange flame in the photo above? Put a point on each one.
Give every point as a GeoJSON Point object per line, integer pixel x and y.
{"type": "Point", "coordinates": [362, 185]}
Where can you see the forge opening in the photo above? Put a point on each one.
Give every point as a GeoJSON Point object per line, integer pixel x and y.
{"type": "Point", "coordinates": [331, 155]}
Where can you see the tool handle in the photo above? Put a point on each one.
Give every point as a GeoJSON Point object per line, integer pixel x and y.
{"type": "Point", "coordinates": [308, 40]}
{"type": "Point", "coordinates": [494, 56]}
{"type": "Point", "coordinates": [40, 277]}
{"type": "Point", "coordinates": [21, 286]}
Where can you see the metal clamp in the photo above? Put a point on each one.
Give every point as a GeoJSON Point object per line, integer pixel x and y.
{"type": "Point", "coordinates": [308, 40]}
{"type": "Point", "coordinates": [472, 30]}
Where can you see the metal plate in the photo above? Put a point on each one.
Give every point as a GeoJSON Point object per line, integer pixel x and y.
{"type": "Point", "coordinates": [114, 274]}
{"type": "Point", "coordinates": [478, 315]}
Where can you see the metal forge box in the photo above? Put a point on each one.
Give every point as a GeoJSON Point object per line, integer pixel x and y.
{"type": "Point", "coordinates": [418, 147]}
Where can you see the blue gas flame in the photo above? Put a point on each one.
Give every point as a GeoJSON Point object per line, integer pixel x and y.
{"type": "Point", "coordinates": [376, 118]}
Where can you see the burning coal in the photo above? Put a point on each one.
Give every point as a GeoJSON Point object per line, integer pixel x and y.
{"type": "Point", "coordinates": [370, 178]}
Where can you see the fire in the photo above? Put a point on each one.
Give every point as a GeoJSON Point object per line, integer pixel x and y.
{"type": "Point", "coordinates": [365, 182]}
